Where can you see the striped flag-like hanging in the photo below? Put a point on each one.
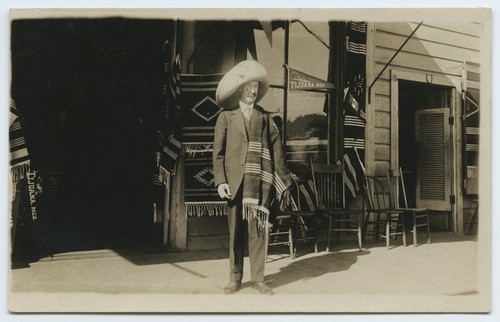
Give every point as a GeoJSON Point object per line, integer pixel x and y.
{"type": "Point", "coordinates": [354, 108]}
{"type": "Point", "coordinates": [24, 182]}
{"type": "Point", "coordinates": [170, 145]}
{"type": "Point", "coordinates": [354, 171]}
{"type": "Point", "coordinates": [354, 88]}
{"type": "Point", "coordinates": [19, 157]}
{"type": "Point", "coordinates": [354, 132]}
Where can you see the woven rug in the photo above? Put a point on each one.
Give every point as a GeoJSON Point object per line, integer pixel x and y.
{"type": "Point", "coordinates": [199, 111]}
{"type": "Point", "coordinates": [201, 197]}
{"type": "Point", "coordinates": [199, 115]}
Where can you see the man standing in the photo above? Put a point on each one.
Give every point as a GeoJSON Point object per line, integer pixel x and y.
{"type": "Point", "coordinates": [249, 168]}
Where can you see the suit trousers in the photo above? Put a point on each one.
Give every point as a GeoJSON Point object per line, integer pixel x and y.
{"type": "Point", "coordinates": [257, 245]}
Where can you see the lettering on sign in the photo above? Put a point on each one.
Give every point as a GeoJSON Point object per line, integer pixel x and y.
{"type": "Point", "coordinates": [298, 80]}
{"type": "Point", "coordinates": [32, 193]}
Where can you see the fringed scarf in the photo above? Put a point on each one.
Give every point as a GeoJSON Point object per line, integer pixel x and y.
{"type": "Point", "coordinates": [265, 176]}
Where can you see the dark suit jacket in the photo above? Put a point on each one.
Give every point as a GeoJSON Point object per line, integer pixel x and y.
{"type": "Point", "coordinates": [231, 145]}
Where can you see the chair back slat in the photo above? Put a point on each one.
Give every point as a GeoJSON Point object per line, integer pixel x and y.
{"type": "Point", "coordinates": [375, 194]}
{"type": "Point", "coordinates": [396, 185]}
{"type": "Point", "coordinates": [402, 180]}
{"type": "Point", "coordinates": [327, 168]}
{"type": "Point", "coordinates": [328, 184]}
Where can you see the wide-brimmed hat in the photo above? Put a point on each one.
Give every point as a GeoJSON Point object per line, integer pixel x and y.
{"type": "Point", "coordinates": [246, 71]}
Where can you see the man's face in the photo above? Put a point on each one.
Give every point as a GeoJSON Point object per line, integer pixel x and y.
{"type": "Point", "coordinates": [249, 92]}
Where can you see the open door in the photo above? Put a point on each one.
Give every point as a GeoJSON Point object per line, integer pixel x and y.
{"type": "Point", "coordinates": [432, 134]}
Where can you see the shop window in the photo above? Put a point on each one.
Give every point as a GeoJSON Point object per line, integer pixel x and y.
{"type": "Point", "coordinates": [306, 121]}
{"type": "Point", "coordinates": [273, 59]}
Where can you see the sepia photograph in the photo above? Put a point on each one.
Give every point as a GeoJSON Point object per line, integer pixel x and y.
{"type": "Point", "coordinates": [220, 160]}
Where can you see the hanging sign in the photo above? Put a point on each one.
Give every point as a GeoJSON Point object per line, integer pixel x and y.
{"type": "Point", "coordinates": [299, 81]}
{"type": "Point", "coordinates": [32, 191]}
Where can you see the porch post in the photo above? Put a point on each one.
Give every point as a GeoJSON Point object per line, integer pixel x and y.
{"type": "Point", "coordinates": [178, 224]}
{"type": "Point", "coordinates": [335, 106]}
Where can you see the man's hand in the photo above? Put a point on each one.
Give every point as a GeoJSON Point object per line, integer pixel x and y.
{"type": "Point", "coordinates": [224, 191]}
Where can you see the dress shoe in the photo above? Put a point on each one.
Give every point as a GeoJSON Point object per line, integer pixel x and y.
{"type": "Point", "coordinates": [263, 288]}
{"type": "Point", "coordinates": [232, 287]}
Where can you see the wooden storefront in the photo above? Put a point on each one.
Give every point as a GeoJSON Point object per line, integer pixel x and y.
{"type": "Point", "coordinates": [92, 112]}
{"type": "Point", "coordinates": [428, 79]}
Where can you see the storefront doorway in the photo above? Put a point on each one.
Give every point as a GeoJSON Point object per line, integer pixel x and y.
{"type": "Point", "coordinates": [425, 149]}
{"type": "Point", "coordinates": [89, 94]}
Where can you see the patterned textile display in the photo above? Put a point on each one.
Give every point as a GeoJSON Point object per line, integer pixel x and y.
{"type": "Point", "coordinates": [471, 127]}
{"type": "Point", "coordinates": [169, 146]}
{"type": "Point", "coordinates": [353, 173]}
{"type": "Point", "coordinates": [354, 101]}
{"type": "Point", "coordinates": [199, 114]}
{"type": "Point", "coordinates": [355, 62]}
{"type": "Point", "coordinates": [201, 196]}
{"type": "Point", "coordinates": [169, 138]}
{"type": "Point", "coordinates": [307, 196]}
{"type": "Point", "coordinates": [471, 104]}
{"type": "Point", "coordinates": [200, 111]}
{"type": "Point", "coordinates": [354, 132]}
{"type": "Point", "coordinates": [20, 167]}
{"type": "Point", "coordinates": [26, 183]}
{"type": "Point", "coordinates": [19, 158]}
{"type": "Point", "coordinates": [306, 200]}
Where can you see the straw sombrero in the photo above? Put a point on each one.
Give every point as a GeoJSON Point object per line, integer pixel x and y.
{"type": "Point", "coordinates": [246, 71]}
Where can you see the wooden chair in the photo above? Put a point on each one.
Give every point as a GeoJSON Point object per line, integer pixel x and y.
{"type": "Point", "coordinates": [281, 233]}
{"type": "Point", "coordinates": [329, 189]}
{"type": "Point", "coordinates": [294, 224]}
{"type": "Point", "coordinates": [473, 219]}
{"type": "Point", "coordinates": [420, 216]}
{"type": "Point", "coordinates": [379, 203]}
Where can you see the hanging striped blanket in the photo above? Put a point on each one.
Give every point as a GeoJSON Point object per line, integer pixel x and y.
{"type": "Point", "coordinates": [24, 185]}
{"type": "Point", "coordinates": [353, 173]}
{"type": "Point", "coordinates": [354, 100]}
{"type": "Point", "coordinates": [19, 158]}
{"type": "Point", "coordinates": [355, 73]}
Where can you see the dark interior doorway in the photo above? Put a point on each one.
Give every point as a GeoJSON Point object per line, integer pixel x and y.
{"type": "Point", "coordinates": [415, 96]}
{"type": "Point", "coordinates": [89, 94]}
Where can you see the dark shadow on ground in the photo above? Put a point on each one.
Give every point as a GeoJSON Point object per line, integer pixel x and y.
{"type": "Point", "coordinates": [152, 257]}
{"type": "Point", "coordinates": [437, 236]}
{"type": "Point", "coordinates": [163, 255]}
{"type": "Point", "coordinates": [309, 268]}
